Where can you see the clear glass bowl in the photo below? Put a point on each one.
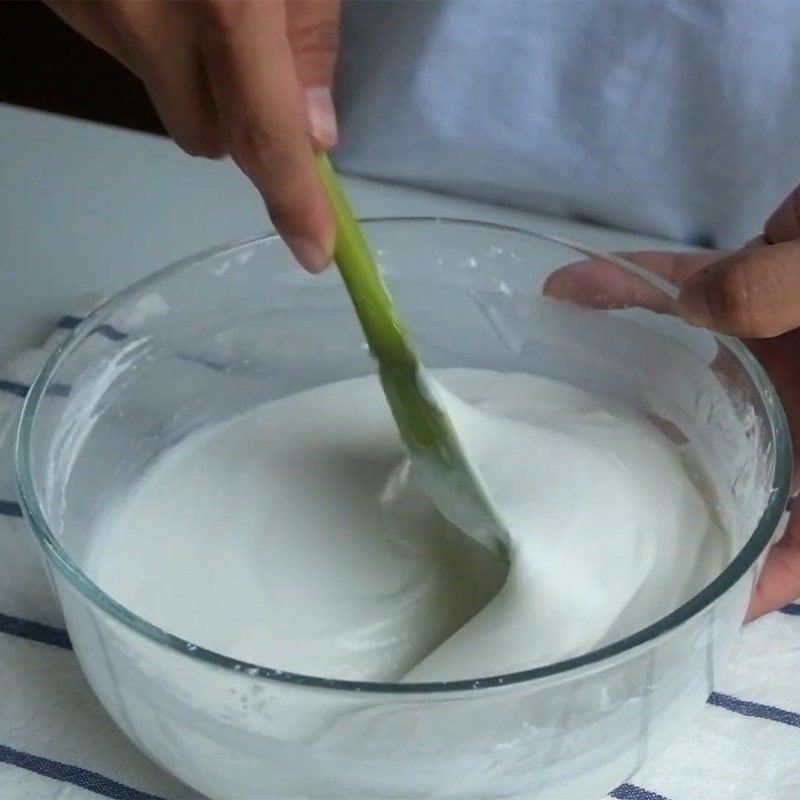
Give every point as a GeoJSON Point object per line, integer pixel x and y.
{"type": "Point", "coordinates": [228, 329]}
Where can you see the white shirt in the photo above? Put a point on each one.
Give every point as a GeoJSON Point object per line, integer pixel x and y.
{"type": "Point", "coordinates": [674, 118]}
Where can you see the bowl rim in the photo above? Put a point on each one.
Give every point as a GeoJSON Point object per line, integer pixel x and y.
{"type": "Point", "coordinates": [55, 554]}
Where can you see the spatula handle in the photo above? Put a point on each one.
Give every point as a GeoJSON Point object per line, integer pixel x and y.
{"type": "Point", "coordinates": [373, 304]}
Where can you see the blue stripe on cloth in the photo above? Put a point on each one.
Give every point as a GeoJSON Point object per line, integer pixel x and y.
{"type": "Point", "coordinates": [77, 776]}
{"type": "Point", "coordinates": [630, 792]}
{"type": "Point", "coordinates": [22, 389]}
{"type": "Point", "coordinates": [115, 335]}
{"type": "Point", "coordinates": [35, 631]}
{"type": "Point", "coordinates": [750, 709]}
{"type": "Point", "coordinates": [8, 508]}
{"type": "Point", "coordinates": [69, 323]}
{"type": "Point", "coordinates": [58, 637]}
{"type": "Point", "coordinates": [793, 609]}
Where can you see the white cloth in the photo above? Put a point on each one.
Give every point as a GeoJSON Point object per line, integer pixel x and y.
{"type": "Point", "coordinates": [57, 742]}
{"type": "Point", "coordinates": [676, 118]}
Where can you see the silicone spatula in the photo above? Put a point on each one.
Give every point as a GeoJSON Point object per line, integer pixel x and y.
{"type": "Point", "coordinates": [430, 439]}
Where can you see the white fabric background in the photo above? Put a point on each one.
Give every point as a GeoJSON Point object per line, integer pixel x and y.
{"type": "Point", "coordinates": [676, 118]}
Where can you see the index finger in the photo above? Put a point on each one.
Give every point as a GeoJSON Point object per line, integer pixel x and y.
{"type": "Point", "coordinates": [596, 283]}
{"type": "Point", "coordinates": [263, 119]}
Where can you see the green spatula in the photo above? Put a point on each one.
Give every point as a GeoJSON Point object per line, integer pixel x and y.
{"type": "Point", "coordinates": [427, 433]}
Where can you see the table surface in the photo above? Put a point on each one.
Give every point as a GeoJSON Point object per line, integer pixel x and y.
{"type": "Point", "coordinates": [85, 207]}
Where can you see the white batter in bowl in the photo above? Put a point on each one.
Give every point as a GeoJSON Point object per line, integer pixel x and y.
{"type": "Point", "coordinates": [262, 640]}
{"type": "Point", "coordinates": [296, 535]}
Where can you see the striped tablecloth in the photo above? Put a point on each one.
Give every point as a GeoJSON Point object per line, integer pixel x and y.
{"type": "Point", "coordinates": [57, 742]}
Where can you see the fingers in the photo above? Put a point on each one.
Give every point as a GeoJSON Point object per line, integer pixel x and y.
{"type": "Point", "coordinates": [752, 293]}
{"type": "Point", "coordinates": [155, 42]}
{"type": "Point", "coordinates": [756, 241]}
{"type": "Point", "coordinates": [160, 40]}
{"type": "Point", "coordinates": [263, 118]}
{"type": "Point", "coordinates": [784, 223]}
{"type": "Point", "coordinates": [312, 27]}
{"type": "Point", "coordinates": [241, 76]}
{"type": "Point", "coordinates": [600, 284]}
{"type": "Point", "coordinates": [779, 582]}
{"type": "Point", "coordinates": [180, 91]}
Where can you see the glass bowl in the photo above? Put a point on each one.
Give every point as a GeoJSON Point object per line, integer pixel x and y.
{"type": "Point", "coordinates": [226, 330]}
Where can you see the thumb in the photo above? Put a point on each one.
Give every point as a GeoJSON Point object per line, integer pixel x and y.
{"type": "Point", "coordinates": [312, 27]}
{"type": "Point", "coordinates": [750, 293]}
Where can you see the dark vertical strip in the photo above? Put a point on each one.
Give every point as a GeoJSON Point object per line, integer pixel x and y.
{"type": "Point", "coordinates": [77, 776]}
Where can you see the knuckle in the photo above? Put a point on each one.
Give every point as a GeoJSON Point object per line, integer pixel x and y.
{"type": "Point", "coordinates": [315, 38]}
{"type": "Point", "coordinates": [222, 21]}
{"type": "Point", "coordinates": [117, 13]}
{"type": "Point", "coordinates": [205, 148]}
{"type": "Point", "coordinates": [255, 148]}
{"type": "Point", "coordinates": [129, 20]}
{"type": "Point", "coordinates": [222, 15]}
{"type": "Point", "coordinates": [285, 200]}
{"type": "Point", "coordinates": [270, 159]}
{"type": "Point", "coordinates": [733, 303]}
{"type": "Point", "coordinates": [680, 269]}
{"type": "Point", "coordinates": [214, 149]}
{"type": "Point", "coordinates": [200, 143]}
{"type": "Point", "coordinates": [126, 22]}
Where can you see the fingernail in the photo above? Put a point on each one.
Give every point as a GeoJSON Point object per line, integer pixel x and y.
{"type": "Point", "coordinates": [557, 284]}
{"type": "Point", "coordinates": [308, 253]}
{"type": "Point", "coordinates": [693, 304]}
{"type": "Point", "coordinates": [322, 116]}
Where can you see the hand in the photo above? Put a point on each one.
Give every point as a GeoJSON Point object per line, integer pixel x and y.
{"type": "Point", "coordinates": [246, 77]}
{"type": "Point", "coordinates": [753, 293]}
